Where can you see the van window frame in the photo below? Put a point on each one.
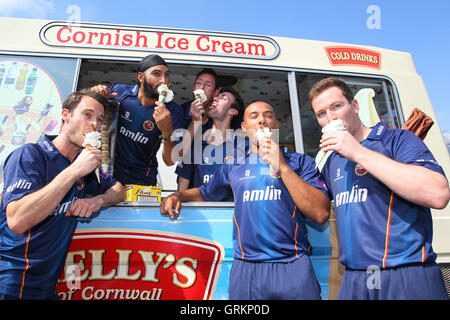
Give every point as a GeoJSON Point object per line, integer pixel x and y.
{"type": "Point", "coordinates": [292, 87]}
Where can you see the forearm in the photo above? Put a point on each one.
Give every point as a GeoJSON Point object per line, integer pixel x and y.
{"type": "Point", "coordinates": [172, 204]}
{"type": "Point", "coordinates": [193, 194]}
{"type": "Point", "coordinates": [183, 184]}
{"type": "Point", "coordinates": [113, 195]}
{"type": "Point", "coordinates": [309, 200]}
{"type": "Point", "coordinates": [414, 183]}
{"type": "Point", "coordinates": [33, 208]}
{"type": "Point", "coordinates": [168, 158]}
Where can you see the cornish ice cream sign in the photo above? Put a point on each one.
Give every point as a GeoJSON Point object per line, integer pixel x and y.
{"type": "Point", "coordinates": [89, 35]}
{"type": "Point", "coordinates": [107, 264]}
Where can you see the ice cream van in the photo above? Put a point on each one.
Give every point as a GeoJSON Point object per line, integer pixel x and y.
{"type": "Point", "coordinates": [130, 251]}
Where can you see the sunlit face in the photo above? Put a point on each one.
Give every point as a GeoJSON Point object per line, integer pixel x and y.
{"type": "Point", "coordinates": [221, 106]}
{"type": "Point", "coordinates": [257, 116]}
{"type": "Point", "coordinates": [206, 82]}
{"type": "Point", "coordinates": [151, 78]}
{"type": "Point", "coordinates": [331, 104]}
{"type": "Point", "coordinates": [87, 114]}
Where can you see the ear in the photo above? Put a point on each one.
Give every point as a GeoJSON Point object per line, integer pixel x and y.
{"type": "Point", "coordinates": [141, 78]}
{"type": "Point", "coordinates": [355, 106]}
{"type": "Point", "coordinates": [65, 115]}
{"type": "Point", "coordinates": [232, 112]}
{"type": "Point", "coordinates": [243, 126]}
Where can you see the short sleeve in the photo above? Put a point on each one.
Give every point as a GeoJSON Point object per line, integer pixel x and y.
{"type": "Point", "coordinates": [410, 149]}
{"type": "Point", "coordinates": [185, 170]}
{"type": "Point", "coordinates": [218, 188]}
{"type": "Point", "coordinates": [94, 188]}
{"type": "Point", "coordinates": [23, 173]}
{"type": "Point", "coordinates": [308, 171]}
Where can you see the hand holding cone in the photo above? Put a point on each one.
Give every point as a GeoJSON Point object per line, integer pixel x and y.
{"type": "Point", "coordinates": [92, 139]}
{"type": "Point", "coordinates": [165, 94]}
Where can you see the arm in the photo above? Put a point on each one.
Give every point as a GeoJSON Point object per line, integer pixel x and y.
{"type": "Point", "coordinates": [104, 90]}
{"type": "Point", "coordinates": [414, 183]}
{"type": "Point", "coordinates": [163, 120]}
{"type": "Point", "coordinates": [172, 204]}
{"type": "Point", "coordinates": [85, 207]}
{"type": "Point", "coordinates": [28, 211]}
{"type": "Point", "coordinates": [198, 119]}
{"type": "Point", "coordinates": [308, 199]}
{"type": "Point", "coordinates": [183, 183]}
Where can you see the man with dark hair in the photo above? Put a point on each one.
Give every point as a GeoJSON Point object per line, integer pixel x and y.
{"type": "Point", "coordinates": [383, 182]}
{"type": "Point", "coordinates": [218, 142]}
{"type": "Point", "coordinates": [274, 190]}
{"type": "Point", "coordinates": [205, 80]}
{"type": "Point", "coordinates": [44, 192]}
{"type": "Point", "coordinates": [143, 123]}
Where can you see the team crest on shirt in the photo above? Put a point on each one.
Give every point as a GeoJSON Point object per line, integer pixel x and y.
{"type": "Point", "coordinates": [80, 184]}
{"type": "Point", "coordinates": [148, 125]}
{"type": "Point", "coordinates": [360, 170]}
{"type": "Point", "coordinates": [274, 174]}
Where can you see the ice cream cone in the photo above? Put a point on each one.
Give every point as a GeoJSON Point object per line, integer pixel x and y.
{"type": "Point", "coordinates": [165, 94]}
{"type": "Point", "coordinates": [263, 133]}
{"type": "Point", "coordinates": [200, 95]}
{"type": "Point", "coordinates": [92, 139]}
{"type": "Point", "coordinates": [334, 125]}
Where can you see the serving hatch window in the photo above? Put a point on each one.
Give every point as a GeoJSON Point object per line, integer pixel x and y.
{"type": "Point", "coordinates": [371, 94]}
{"type": "Point", "coordinates": [252, 85]}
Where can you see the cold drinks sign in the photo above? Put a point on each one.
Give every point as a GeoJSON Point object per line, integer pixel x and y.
{"type": "Point", "coordinates": [88, 35]}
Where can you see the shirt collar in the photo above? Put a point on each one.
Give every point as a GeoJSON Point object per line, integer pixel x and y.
{"type": "Point", "coordinates": [48, 147]}
{"type": "Point", "coordinates": [377, 132]}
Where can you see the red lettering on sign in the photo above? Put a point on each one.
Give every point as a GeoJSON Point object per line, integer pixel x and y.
{"type": "Point", "coordinates": [146, 266]}
{"type": "Point", "coordinates": [354, 56]}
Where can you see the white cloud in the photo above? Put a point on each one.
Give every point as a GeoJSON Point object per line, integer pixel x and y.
{"type": "Point", "coordinates": [26, 8]}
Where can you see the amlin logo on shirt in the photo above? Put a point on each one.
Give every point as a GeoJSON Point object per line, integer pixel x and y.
{"type": "Point", "coordinates": [270, 193]}
{"type": "Point", "coordinates": [355, 195]}
{"type": "Point", "coordinates": [21, 184]}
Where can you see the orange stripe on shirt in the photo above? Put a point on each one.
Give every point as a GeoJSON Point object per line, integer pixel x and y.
{"type": "Point", "coordinates": [388, 229]}
{"type": "Point", "coordinates": [239, 235]}
{"type": "Point", "coordinates": [26, 264]}
{"type": "Point", "coordinates": [296, 248]}
{"type": "Point", "coordinates": [423, 254]}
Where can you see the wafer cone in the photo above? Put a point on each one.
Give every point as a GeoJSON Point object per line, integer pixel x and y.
{"type": "Point", "coordinates": [97, 170]}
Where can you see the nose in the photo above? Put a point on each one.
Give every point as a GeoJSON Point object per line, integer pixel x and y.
{"type": "Point", "coordinates": [261, 120]}
{"type": "Point", "coordinates": [331, 116]}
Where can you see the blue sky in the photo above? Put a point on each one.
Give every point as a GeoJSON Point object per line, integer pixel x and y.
{"type": "Point", "coordinates": [419, 27]}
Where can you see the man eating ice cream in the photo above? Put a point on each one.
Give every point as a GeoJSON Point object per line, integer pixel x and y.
{"type": "Point", "coordinates": [274, 191]}
{"type": "Point", "coordinates": [45, 190]}
{"type": "Point", "coordinates": [383, 182]}
{"type": "Point", "coordinates": [144, 122]}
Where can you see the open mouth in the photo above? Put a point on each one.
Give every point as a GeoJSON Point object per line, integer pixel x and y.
{"type": "Point", "coordinates": [212, 107]}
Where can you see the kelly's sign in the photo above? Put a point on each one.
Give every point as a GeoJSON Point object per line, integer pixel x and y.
{"type": "Point", "coordinates": [89, 35]}
{"type": "Point", "coordinates": [354, 56]}
{"type": "Point", "coordinates": [139, 265]}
